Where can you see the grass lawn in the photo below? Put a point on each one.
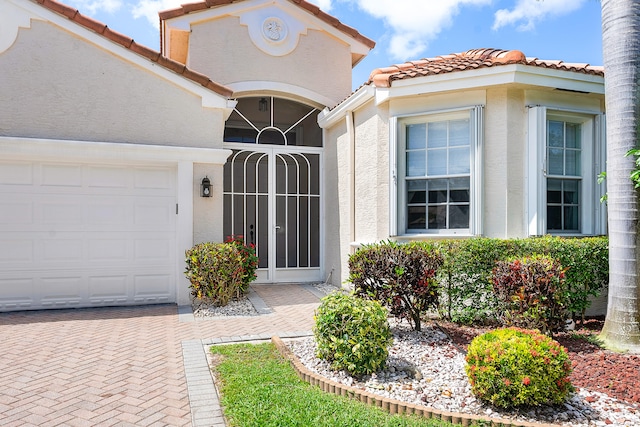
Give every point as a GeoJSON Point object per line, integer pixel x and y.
{"type": "Point", "coordinates": [259, 388]}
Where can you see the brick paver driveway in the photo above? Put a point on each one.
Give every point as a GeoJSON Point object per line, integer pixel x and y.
{"type": "Point", "coordinates": [119, 366]}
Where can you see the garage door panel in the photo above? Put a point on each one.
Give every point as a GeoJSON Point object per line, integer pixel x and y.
{"type": "Point", "coordinates": [109, 177]}
{"type": "Point", "coordinates": [61, 175]}
{"type": "Point", "coordinates": [86, 235]}
{"type": "Point", "coordinates": [19, 174]}
{"type": "Point", "coordinates": [62, 213]}
{"type": "Point", "coordinates": [152, 178]}
{"type": "Point", "coordinates": [109, 250]}
{"type": "Point", "coordinates": [15, 250]}
{"type": "Point", "coordinates": [151, 215]}
{"type": "Point", "coordinates": [16, 213]}
{"type": "Point", "coordinates": [152, 288]}
{"type": "Point", "coordinates": [109, 289]}
{"type": "Point", "coordinates": [62, 291]}
{"type": "Point", "coordinates": [62, 250]}
{"type": "Point", "coordinates": [152, 249]}
{"type": "Point", "coordinates": [17, 293]}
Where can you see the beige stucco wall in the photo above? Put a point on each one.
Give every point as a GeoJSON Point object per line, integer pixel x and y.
{"type": "Point", "coordinates": [504, 163]}
{"type": "Point", "coordinates": [337, 201]}
{"type": "Point", "coordinates": [371, 203]}
{"type": "Point", "coordinates": [208, 211]}
{"type": "Point", "coordinates": [319, 63]}
{"type": "Point", "coordinates": [68, 88]}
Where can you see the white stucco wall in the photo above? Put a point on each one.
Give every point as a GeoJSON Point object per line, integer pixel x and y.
{"type": "Point", "coordinates": [68, 88]}
{"type": "Point", "coordinates": [319, 63]}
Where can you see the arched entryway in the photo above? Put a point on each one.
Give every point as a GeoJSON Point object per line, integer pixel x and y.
{"type": "Point", "coordinates": [272, 186]}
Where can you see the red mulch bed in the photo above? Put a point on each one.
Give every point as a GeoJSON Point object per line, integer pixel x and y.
{"type": "Point", "coordinates": [615, 374]}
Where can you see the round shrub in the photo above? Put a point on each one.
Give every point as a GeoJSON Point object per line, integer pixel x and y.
{"type": "Point", "coordinates": [513, 367]}
{"type": "Point", "coordinates": [352, 334]}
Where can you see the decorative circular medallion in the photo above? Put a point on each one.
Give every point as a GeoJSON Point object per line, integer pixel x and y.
{"type": "Point", "coordinates": [274, 29]}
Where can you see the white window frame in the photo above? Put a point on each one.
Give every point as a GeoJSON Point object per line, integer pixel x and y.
{"type": "Point", "coordinates": [397, 159]}
{"type": "Point", "coordinates": [592, 212]}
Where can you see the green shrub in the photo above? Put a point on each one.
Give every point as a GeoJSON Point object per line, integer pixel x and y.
{"type": "Point", "coordinates": [352, 333]}
{"type": "Point", "coordinates": [533, 291]}
{"type": "Point", "coordinates": [514, 367]}
{"type": "Point", "coordinates": [216, 272]}
{"type": "Point", "coordinates": [400, 276]}
{"type": "Point", "coordinates": [465, 278]}
{"type": "Point", "coordinates": [249, 259]}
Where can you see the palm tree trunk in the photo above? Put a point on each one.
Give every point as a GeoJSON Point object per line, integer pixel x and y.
{"type": "Point", "coordinates": [621, 53]}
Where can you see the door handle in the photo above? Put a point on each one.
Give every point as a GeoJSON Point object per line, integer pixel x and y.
{"type": "Point", "coordinates": [277, 227]}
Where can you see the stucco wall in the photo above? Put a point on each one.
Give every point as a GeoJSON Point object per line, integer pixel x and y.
{"type": "Point", "coordinates": [208, 211]}
{"type": "Point", "coordinates": [337, 202]}
{"type": "Point", "coordinates": [319, 63]}
{"type": "Point", "coordinates": [504, 148]}
{"type": "Point", "coordinates": [68, 88]}
{"type": "Point", "coordinates": [372, 173]}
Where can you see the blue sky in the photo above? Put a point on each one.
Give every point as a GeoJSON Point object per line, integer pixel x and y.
{"type": "Point", "coordinates": [568, 30]}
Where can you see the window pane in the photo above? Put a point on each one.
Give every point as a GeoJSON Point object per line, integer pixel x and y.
{"type": "Point", "coordinates": [416, 218]}
{"type": "Point", "coordinates": [554, 191]}
{"type": "Point", "coordinates": [571, 218]}
{"type": "Point", "coordinates": [459, 160]}
{"type": "Point", "coordinates": [416, 192]}
{"type": "Point", "coordinates": [555, 137]}
{"type": "Point", "coordinates": [437, 190]}
{"type": "Point", "coordinates": [437, 162]}
{"type": "Point", "coordinates": [416, 163]}
{"type": "Point", "coordinates": [460, 190]}
{"type": "Point", "coordinates": [571, 191]}
{"type": "Point", "coordinates": [437, 134]}
{"type": "Point", "coordinates": [554, 218]}
{"type": "Point", "coordinates": [573, 135]}
{"type": "Point", "coordinates": [437, 217]}
{"type": "Point", "coordinates": [556, 161]}
{"type": "Point", "coordinates": [416, 136]}
{"type": "Point", "coordinates": [459, 132]}
{"type": "Point", "coordinates": [573, 163]}
{"type": "Point", "coordinates": [459, 216]}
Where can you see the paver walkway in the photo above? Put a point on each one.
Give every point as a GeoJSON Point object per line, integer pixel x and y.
{"type": "Point", "coordinates": [125, 366]}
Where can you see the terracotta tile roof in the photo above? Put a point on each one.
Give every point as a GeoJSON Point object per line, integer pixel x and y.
{"type": "Point", "coordinates": [470, 60]}
{"type": "Point", "coordinates": [310, 8]}
{"type": "Point", "coordinates": [130, 44]}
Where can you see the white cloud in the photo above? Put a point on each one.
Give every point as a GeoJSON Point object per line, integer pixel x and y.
{"type": "Point", "coordinates": [527, 13]}
{"type": "Point", "coordinates": [92, 7]}
{"type": "Point", "coordinates": [150, 8]}
{"type": "Point", "coordinates": [414, 24]}
{"type": "Point", "coordinates": [325, 5]}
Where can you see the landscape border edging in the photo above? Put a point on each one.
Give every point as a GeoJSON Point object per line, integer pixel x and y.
{"type": "Point", "coordinates": [392, 406]}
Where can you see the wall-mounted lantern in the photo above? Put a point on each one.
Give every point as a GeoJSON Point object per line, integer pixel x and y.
{"type": "Point", "coordinates": [205, 187]}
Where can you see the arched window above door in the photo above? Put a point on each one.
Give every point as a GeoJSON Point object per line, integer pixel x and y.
{"type": "Point", "coordinates": [273, 121]}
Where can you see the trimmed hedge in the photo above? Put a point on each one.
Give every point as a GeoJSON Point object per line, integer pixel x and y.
{"type": "Point", "coordinates": [465, 278]}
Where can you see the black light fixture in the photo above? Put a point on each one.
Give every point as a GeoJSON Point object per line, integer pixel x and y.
{"type": "Point", "coordinates": [263, 105]}
{"type": "Point", "coordinates": [205, 187]}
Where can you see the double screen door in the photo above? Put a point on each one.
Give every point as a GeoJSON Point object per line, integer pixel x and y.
{"type": "Point", "coordinates": [272, 199]}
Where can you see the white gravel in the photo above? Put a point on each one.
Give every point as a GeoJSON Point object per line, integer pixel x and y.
{"type": "Point", "coordinates": [426, 368]}
{"type": "Point", "coordinates": [236, 307]}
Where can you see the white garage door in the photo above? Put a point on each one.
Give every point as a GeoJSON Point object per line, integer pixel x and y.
{"type": "Point", "coordinates": [86, 235]}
